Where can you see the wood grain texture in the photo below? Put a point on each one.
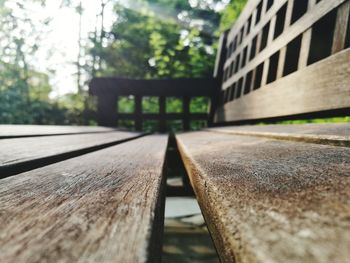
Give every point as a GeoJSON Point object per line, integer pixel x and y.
{"type": "Point", "coordinates": [341, 27]}
{"type": "Point", "coordinates": [271, 201]}
{"type": "Point", "coordinates": [15, 131]}
{"type": "Point", "coordinates": [337, 134]}
{"type": "Point", "coordinates": [18, 155]}
{"type": "Point", "coordinates": [319, 87]}
{"type": "Point", "coordinates": [290, 33]}
{"type": "Point", "coordinates": [100, 207]}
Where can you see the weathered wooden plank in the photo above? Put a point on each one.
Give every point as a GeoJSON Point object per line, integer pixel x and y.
{"type": "Point", "coordinates": [271, 201]}
{"type": "Point", "coordinates": [166, 116]}
{"type": "Point", "coordinates": [305, 49]}
{"type": "Point", "coordinates": [248, 10]}
{"type": "Point", "coordinates": [15, 131]}
{"type": "Point", "coordinates": [306, 41]}
{"type": "Point", "coordinates": [19, 155]}
{"type": "Point", "coordinates": [319, 87]}
{"type": "Point", "coordinates": [337, 134]}
{"type": "Point", "coordinates": [300, 26]}
{"type": "Point", "coordinates": [341, 27]}
{"type": "Point", "coordinates": [105, 206]}
{"type": "Point", "coordinates": [152, 87]}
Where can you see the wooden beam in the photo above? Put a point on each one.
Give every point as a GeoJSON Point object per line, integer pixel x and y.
{"type": "Point", "coordinates": [160, 87]}
{"type": "Point", "coordinates": [106, 110]}
{"type": "Point", "coordinates": [336, 134]}
{"type": "Point", "coordinates": [306, 41]}
{"type": "Point", "coordinates": [305, 48]}
{"type": "Point", "coordinates": [319, 87]}
{"type": "Point", "coordinates": [267, 200]}
{"type": "Point", "coordinates": [186, 112]}
{"type": "Point", "coordinates": [341, 27]}
{"type": "Point", "coordinates": [167, 116]}
{"type": "Point", "coordinates": [162, 114]}
{"type": "Point", "coordinates": [21, 131]}
{"type": "Point", "coordinates": [106, 206]}
{"type": "Point", "coordinates": [23, 154]}
{"type": "Point", "coordinates": [300, 26]}
{"type": "Point", "coordinates": [138, 113]}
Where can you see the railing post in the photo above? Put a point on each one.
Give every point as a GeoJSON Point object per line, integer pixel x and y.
{"type": "Point", "coordinates": [162, 113]}
{"type": "Point", "coordinates": [186, 113]}
{"type": "Point", "coordinates": [138, 113]}
{"type": "Point", "coordinates": [106, 113]}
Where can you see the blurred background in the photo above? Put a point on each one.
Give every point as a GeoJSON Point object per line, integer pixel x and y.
{"type": "Point", "coordinates": [50, 50]}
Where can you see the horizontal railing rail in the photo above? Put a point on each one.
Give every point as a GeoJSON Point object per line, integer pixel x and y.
{"type": "Point", "coordinates": [109, 90]}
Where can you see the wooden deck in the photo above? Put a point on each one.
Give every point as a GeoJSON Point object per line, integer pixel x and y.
{"type": "Point", "coordinates": [268, 195]}
{"type": "Point", "coordinates": [101, 205]}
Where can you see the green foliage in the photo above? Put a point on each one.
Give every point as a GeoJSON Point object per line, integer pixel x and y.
{"type": "Point", "coordinates": [198, 124]}
{"type": "Point", "coordinates": [150, 105]}
{"type": "Point", "coordinates": [149, 41]}
{"type": "Point", "coordinates": [199, 105]}
{"type": "Point", "coordinates": [231, 13]}
{"type": "Point", "coordinates": [173, 105]}
{"type": "Point", "coordinates": [126, 104]}
{"type": "Point", "coordinates": [24, 92]}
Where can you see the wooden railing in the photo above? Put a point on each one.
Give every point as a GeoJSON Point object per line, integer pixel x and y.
{"type": "Point", "coordinates": [285, 58]}
{"type": "Point", "coordinates": [108, 90]}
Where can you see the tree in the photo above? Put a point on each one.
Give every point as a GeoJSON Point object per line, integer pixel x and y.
{"type": "Point", "coordinates": [158, 39]}
{"type": "Point", "coordinates": [231, 13]}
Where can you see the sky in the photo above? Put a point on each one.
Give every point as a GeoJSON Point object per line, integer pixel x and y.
{"type": "Point", "coordinates": [59, 47]}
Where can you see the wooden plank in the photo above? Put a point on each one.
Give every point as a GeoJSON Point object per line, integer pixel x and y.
{"type": "Point", "coordinates": [138, 113]}
{"type": "Point", "coordinates": [281, 62]}
{"type": "Point", "coordinates": [265, 72]}
{"type": "Point", "coordinates": [341, 27]}
{"type": "Point", "coordinates": [186, 112]}
{"type": "Point", "coordinates": [107, 108]}
{"type": "Point", "coordinates": [155, 87]}
{"type": "Point", "coordinates": [293, 31]}
{"type": "Point", "coordinates": [271, 201]}
{"type": "Point", "coordinates": [105, 206]}
{"type": "Point", "coordinates": [306, 41]}
{"type": "Point", "coordinates": [162, 114]}
{"type": "Point", "coordinates": [319, 87]}
{"type": "Point", "coordinates": [15, 131]}
{"type": "Point", "coordinates": [337, 134]}
{"type": "Point", "coordinates": [19, 155]}
{"type": "Point", "coordinates": [305, 48]}
{"type": "Point", "coordinates": [166, 116]}
{"type": "Point", "coordinates": [248, 10]}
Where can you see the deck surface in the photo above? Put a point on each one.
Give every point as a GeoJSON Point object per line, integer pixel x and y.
{"type": "Point", "coordinates": [333, 134]}
{"type": "Point", "coordinates": [105, 206]}
{"type": "Point", "coordinates": [15, 131]}
{"type": "Point", "coordinates": [265, 200]}
{"type": "Point", "coordinates": [22, 154]}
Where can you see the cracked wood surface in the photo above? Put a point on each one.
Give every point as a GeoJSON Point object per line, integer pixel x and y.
{"type": "Point", "coordinates": [105, 206]}
{"type": "Point", "coordinates": [337, 134]}
{"type": "Point", "coordinates": [268, 200]}
{"type": "Point", "coordinates": [13, 131]}
{"type": "Point", "coordinates": [23, 154]}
